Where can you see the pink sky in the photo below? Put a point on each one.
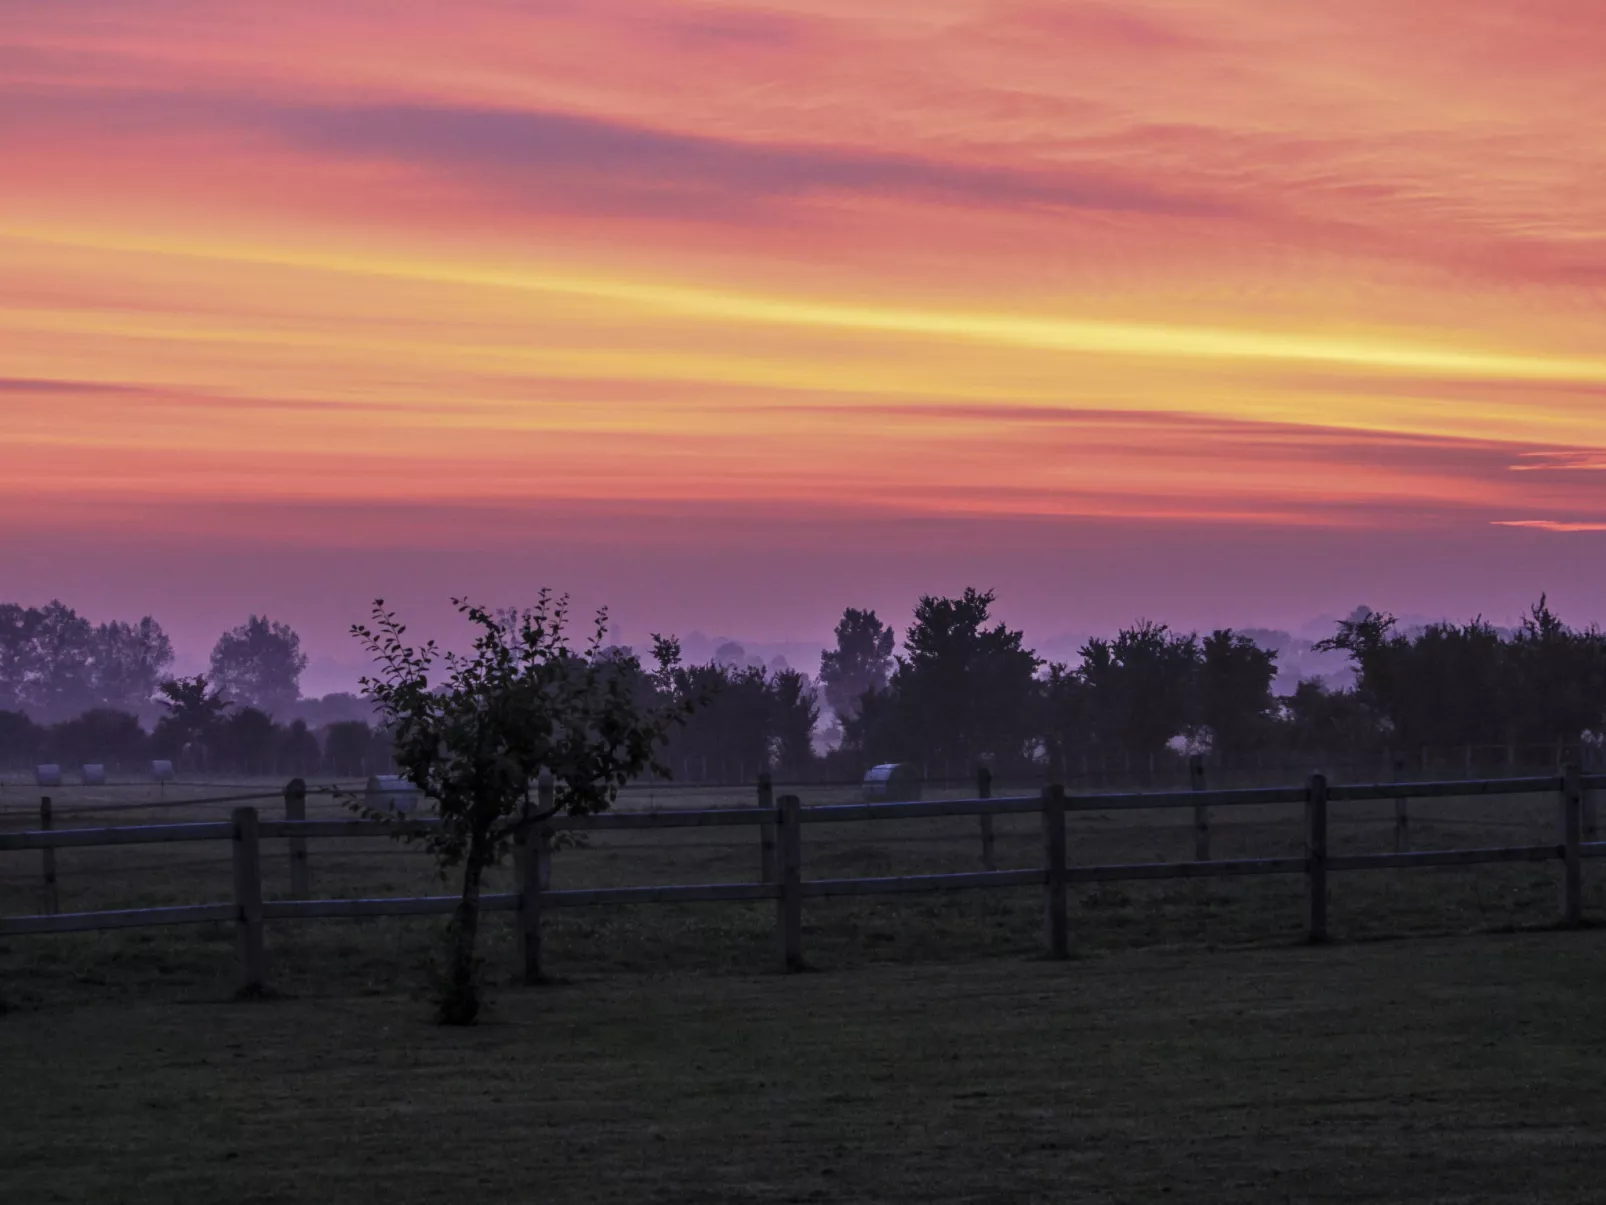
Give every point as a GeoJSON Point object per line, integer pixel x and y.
{"type": "Point", "coordinates": [731, 316]}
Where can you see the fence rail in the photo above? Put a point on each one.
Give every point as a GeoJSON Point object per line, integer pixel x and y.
{"type": "Point", "coordinates": [781, 823]}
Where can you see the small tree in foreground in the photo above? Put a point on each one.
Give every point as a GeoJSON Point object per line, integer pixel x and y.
{"type": "Point", "coordinates": [472, 731]}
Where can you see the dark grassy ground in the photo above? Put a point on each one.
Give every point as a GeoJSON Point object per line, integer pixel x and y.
{"type": "Point", "coordinates": [1447, 1070]}
{"type": "Point", "coordinates": [1193, 1050]}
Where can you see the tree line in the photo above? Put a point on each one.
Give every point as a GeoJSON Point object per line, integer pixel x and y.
{"type": "Point", "coordinates": [963, 689]}
{"type": "Point", "coordinates": [227, 741]}
{"type": "Point", "coordinates": [55, 664]}
{"type": "Point", "coordinates": [74, 692]}
{"type": "Point", "coordinates": [957, 690]}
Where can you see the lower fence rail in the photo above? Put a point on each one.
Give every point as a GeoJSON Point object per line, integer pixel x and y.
{"type": "Point", "coordinates": [422, 905]}
{"type": "Point", "coordinates": [132, 918]}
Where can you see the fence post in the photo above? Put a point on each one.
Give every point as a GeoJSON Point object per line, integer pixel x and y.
{"type": "Point", "coordinates": [1572, 882]}
{"type": "Point", "coordinates": [1591, 820]}
{"type": "Point", "coordinates": [295, 808]}
{"type": "Point", "coordinates": [984, 790]}
{"type": "Point", "coordinates": [1402, 813]}
{"type": "Point", "coordinates": [248, 900]}
{"type": "Point", "coordinates": [766, 829]}
{"type": "Point", "coordinates": [1316, 859]}
{"type": "Point", "coordinates": [47, 859]}
{"type": "Point", "coordinates": [789, 830]}
{"type": "Point", "coordinates": [1201, 812]}
{"type": "Point", "coordinates": [534, 862]}
{"type": "Point", "coordinates": [1056, 934]}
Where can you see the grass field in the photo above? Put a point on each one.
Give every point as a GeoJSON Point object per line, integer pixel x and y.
{"type": "Point", "coordinates": [1192, 1050]}
{"type": "Point", "coordinates": [1446, 1070]}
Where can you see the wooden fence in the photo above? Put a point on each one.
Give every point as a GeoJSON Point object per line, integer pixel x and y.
{"type": "Point", "coordinates": [780, 823]}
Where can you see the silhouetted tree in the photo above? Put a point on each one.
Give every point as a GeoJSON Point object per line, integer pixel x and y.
{"type": "Point", "coordinates": [345, 748]}
{"type": "Point", "coordinates": [1442, 686]}
{"type": "Point", "coordinates": [1141, 687]}
{"type": "Point", "coordinates": [861, 661]}
{"type": "Point", "coordinates": [1450, 684]}
{"type": "Point", "coordinates": [21, 740]}
{"type": "Point", "coordinates": [875, 731]}
{"type": "Point", "coordinates": [299, 753]}
{"type": "Point", "coordinates": [58, 663]}
{"type": "Point", "coordinates": [1234, 702]}
{"type": "Point", "coordinates": [128, 661]}
{"type": "Point", "coordinates": [473, 731]}
{"type": "Point", "coordinates": [962, 691]}
{"type": "Point", "coordinates": [247, 742]}
{"type": "Point", "coordinates": [1067, 719]}
{"type": "Point", "coordinates": [381, 750]}
{"type": "Point", "coordinates": [1318, 719]}
{"type": "Point", "coordinates": [100, 735]}
{"type": "Point", "coordinates": [54, 664]}
{"type": "Point", "coordinates": [733, 730]}
{"type": "Point", "coordinates": [1558, 687]}
{"type": "Point", "coordinates": [796, 714]}
{"type": "Point", "coordinates": [259, 664]}
{"type": "Point", "coordinates": [17, 660]}
{"type": "Point", "coordinates": [194, 713]}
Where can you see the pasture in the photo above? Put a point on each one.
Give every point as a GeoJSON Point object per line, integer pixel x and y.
{"type": "Point", "coordinates": [1192, 1048]}
{"type": "Point", "coordinates": [1452, 1069]}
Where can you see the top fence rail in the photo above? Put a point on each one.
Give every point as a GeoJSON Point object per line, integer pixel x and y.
{"type": "Point", "coordinates": [820, 813]}
{"type": "Point", "coordinates": [145, 805]}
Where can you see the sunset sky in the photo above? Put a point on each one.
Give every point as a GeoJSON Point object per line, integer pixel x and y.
{"type": "Point", "coordinates": [732, 315]}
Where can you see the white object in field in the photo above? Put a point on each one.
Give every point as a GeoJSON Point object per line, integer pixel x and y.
{"type": "Point", "coordinates": [162, 771]}
{"type": "Point", "coordinates": [93, 775]}
{"type": "Point", "coordinates": [47, 776]}
{"type": "Point", "coordinates": [892, 782]}
{"type": "Point", "coordinates": [391, 793]}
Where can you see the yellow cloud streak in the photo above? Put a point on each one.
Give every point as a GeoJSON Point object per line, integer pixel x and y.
{"type": "Point", "coordinates": [1084, 336]}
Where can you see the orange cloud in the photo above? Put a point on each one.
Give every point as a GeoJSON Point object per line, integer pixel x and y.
{"type": "Point", "coordinates": [1296, 266]}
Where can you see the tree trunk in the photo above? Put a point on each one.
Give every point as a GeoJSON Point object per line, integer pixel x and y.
{"type": "Point", "coordinates": [460, 998]}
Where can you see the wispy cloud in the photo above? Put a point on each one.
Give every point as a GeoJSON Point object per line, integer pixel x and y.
{"type": "Point", "coordinates": [55, 386]}
{"type": "Point", "coordinates": [550, 159]}
{"type": "Point", "coordinates": [1591, 460]}
{"type": "Point", "coordinates": [1560, 525]}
